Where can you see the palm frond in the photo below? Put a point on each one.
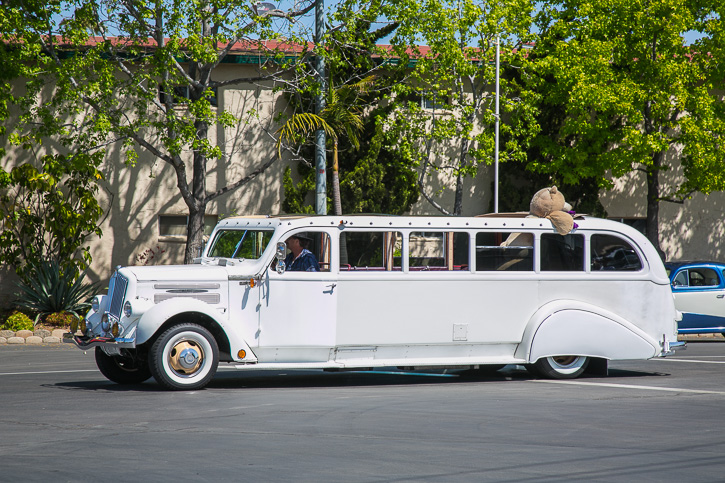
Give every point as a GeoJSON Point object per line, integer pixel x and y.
{"type": "Point", "coordinates": [302, 125]}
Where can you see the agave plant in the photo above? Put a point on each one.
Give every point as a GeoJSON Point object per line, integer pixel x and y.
{"type": "Point", "coordinates": [53, 288]}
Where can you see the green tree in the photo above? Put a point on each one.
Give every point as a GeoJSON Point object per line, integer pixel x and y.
{"type": "Point", "coordinates": [48, 214]}
{"type": "Point", "coordinates": [620, 88]}
{"type": "Point", "coordinates": [366, 175]}
{"type": "Point", "coordinates": [446, 112]}
{"type": "Point", "coordinates": [342, 114]}
{"type": "Point", "coordinates": [143, 75]}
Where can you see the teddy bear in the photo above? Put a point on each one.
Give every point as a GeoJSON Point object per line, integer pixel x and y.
{"type": "Point", "coordinates": [546, 203]}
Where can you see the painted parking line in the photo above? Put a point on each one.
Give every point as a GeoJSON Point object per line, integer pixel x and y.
{"type": "Point", "coordinates": [629, 386]}
{"type": "Point", "coordinates": [44, 372]}
{"type": "Point", "coordinates": [700, 361]}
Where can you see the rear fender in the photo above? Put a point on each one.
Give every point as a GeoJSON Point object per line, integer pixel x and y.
{"type": "Point", "coordinates": [568, 327]}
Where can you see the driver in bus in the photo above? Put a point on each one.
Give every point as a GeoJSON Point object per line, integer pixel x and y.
{"type": "Point", "coordinates": [300, 259]}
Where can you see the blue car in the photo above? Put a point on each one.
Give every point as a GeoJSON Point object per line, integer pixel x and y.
{"type": "Point", "coordinates": [699, 290]}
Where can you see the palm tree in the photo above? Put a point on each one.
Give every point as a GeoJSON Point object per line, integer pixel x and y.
{"type": "Point", "coordinates": [343, 113]}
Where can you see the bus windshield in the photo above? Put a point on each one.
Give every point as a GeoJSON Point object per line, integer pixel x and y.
{"type": "Point", "coordinates": [247, 244]}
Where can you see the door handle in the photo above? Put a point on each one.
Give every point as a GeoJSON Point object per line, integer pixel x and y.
{"type": "Point", "coordinates": [331, 287]}
{"type": "Point", "coordinates": [721, 295]}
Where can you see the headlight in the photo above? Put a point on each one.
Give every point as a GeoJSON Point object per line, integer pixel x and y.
{"type": "Point", "coordinates": [127, 309]}
{"type": "Point", "coordinates": [105, 323]}
{"type": "Point", "coordinates": [96, 303]}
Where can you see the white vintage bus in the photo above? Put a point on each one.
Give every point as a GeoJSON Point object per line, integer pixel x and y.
{"type": "Point", "coordinates": [405, 292]}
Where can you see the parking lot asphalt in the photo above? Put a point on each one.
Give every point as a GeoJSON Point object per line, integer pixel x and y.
{"type": "Point", "coordinates": [657, 420]}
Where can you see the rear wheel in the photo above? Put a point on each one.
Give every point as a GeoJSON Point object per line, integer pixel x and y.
{"type": "Point", "coordinates": [123, 369]}
{"type": "Point", "coordinates": [184, 357]}
{"type": "Point", "coordinates": [560, 367]}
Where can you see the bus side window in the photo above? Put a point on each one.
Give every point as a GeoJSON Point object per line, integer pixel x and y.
{"type": "Point", "coordinates": [371, 250]}
{"type": "Point", "coordinates": [437, 251]}
{"type": "Point", "coordinates": [612, 253]}
{"type": "Point", "coordinates": [504, 251]}
{"type": "Point", "coordinates": [562, 253]}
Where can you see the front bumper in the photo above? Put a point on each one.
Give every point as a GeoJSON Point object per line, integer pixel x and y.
{"type": "Point", "coordinates": [85, 343]}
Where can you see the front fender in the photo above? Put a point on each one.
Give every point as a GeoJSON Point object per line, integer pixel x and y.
{"type": "Point", "coordinates": [568, 327]}
{"type": "Point", "coordinates": [151, 320]}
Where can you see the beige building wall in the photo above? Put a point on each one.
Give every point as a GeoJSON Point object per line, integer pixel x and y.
{"type": "Point", "coordinates": [135, 197]}
{"type": "Point", "coordinates": [692, 230]}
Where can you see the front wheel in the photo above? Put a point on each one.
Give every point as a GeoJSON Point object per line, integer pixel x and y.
{"type": "Point", "coordinates": [184, 357]}
{"type": "Point", "coordinates": [123, 369]}
{"type": "Point", "coordinates": [560, 367]}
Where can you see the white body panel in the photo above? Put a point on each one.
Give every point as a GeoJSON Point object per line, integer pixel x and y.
{"type": "Point", "coordinates": [403, 317]}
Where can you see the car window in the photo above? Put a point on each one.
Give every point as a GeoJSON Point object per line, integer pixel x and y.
{"type": "Point", "coordinates": [681, 279]}
{"type": "Point", "coordinates": [703, 277]}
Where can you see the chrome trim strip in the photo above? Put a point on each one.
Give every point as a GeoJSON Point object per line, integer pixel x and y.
{"type": "Point", "coordinates": [186, 286]}
{"type": "Point", "coordinates": [210, 298]}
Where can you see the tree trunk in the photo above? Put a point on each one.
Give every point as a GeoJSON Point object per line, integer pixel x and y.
{"type": "Point", "coordinates": [195, 235]}
{"type": "Point", "coordinates": [197, 203]}
{"type": "Point", "coordinates": [458, 202]}
{"type": "Point", "coordinates": [653, 203]}
{"type": "Point", "coordinates": [336, 200]}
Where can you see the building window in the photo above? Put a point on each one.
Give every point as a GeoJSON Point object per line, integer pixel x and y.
{"type": "Point", "coordinates": [175, 225]}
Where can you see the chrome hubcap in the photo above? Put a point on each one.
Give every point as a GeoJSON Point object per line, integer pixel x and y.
{"type": "Point", "coordinates": [186, 357]}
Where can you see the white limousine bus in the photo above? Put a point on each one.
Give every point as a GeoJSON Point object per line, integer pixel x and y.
{"type": "Point", "coordinates": [385, 291]}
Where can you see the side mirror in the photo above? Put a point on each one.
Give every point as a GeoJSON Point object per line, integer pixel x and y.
{"type": "Point", "coordinates": [280, 255]}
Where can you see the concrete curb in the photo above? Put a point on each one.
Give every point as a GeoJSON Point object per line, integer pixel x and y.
{"type": "Point", "coordinates": [37, 337]}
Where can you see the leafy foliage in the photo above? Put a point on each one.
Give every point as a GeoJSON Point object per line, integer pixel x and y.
{"type": "Point", "coordinates": [372, 177]}
{"type": "Point", "coordinates": [142, 77]}
{"type": "Point", "coordinates": [618, 88]}
{"type": "Point", "coordinates": [61, 319]}
{"type": "Point", "coordinates": [446, 112]}
{"type": "Point", "coordinates": [18, 321]}
{"type": "Point", "coordinates": [49, 213]}
{"type": "Point", "coordinates": [56, 289]}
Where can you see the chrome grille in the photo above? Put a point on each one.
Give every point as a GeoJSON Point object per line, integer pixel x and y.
{"type": "Point", "coordinates": [117, 292]}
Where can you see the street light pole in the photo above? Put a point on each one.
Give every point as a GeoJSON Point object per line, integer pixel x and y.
{"type": "Point", "coordinates": [495, 186]}
{"type": "Point", "coordinates": [320, 138]}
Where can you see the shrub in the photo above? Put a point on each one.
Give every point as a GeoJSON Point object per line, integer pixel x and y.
{"type": "Point", "coordinates": [18, 321]}
{"type": "Point", "coordinates": [60, 319]}
{"type": "Point", "coordinates": [54, 289]}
